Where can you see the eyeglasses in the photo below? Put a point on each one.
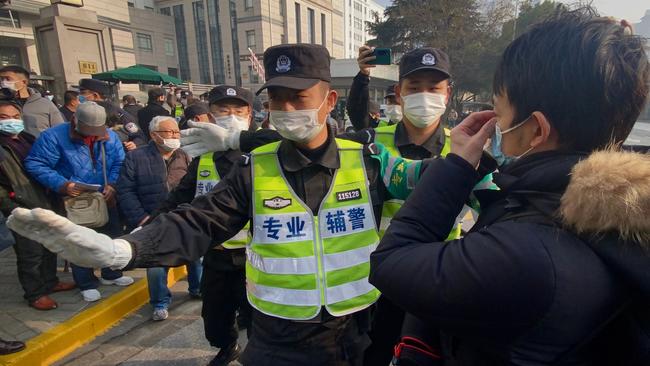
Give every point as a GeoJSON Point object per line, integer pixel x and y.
{"type": "Point", "coordinates": [170, 132]}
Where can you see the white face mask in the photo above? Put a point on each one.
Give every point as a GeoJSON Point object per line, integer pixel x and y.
{"type": "Point", "coordinates": [171, 144]}
{"type": "Point", "coordinates": [300, 126]}
{"type": "Point", "coordinates": [232, 122]}
{"type": "Point", "coordinates": [394, 112]}
{"type": "Point", "coordinates": [423, 109]}
{"type": "Point", "coordinates": [6, 84]}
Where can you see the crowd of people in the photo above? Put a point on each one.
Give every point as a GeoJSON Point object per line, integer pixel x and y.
{"type": "Point", "coordinates": [345, 246]}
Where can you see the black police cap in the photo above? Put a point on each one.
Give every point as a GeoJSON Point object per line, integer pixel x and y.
{"type": "Point", "coordinates": [296, 66]}
{"type": "Point", "coordinates": [424, 59]}
{"type": "Point", "coordinates": [223, 92]}
{"type": "Point", "coordinates": [97, 86]}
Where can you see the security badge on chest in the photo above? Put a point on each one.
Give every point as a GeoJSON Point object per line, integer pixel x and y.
{"type": "Point", "coordinates": [277, 203]}
{"type": "Point", "coordinates": [204, 173]}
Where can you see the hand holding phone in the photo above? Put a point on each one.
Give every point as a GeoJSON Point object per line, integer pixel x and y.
{"type": "Point", "coordinates": [383, 56]}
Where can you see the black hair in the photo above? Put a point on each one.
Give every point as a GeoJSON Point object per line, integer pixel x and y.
{"type": "Point", "coordinates": [69, 96]}
{"type": "Point", "coordinates": [10, 103]}
{"type": "Point", "coordinates": [16, 70]}
{"type": "Point", "coordinates": [585, 73]}
{"type": "Point", "coordinates": [155, 93]}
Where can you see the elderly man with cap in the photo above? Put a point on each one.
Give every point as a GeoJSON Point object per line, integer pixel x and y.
{"type": "Point", "coordinates": [313, 202]}
{"type": "Point", "coordinates": [68, 157]}
{"type": "Point", "coordinates": [117, 118]}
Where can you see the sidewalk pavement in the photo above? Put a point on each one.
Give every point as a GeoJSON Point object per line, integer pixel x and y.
{"type": "Point", "coordinates": [51, 335]}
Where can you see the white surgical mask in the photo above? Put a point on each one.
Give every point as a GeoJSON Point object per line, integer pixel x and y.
{"type": "Point", "coordinates": [12, 126]}
{"type": "Point", "coordinates": [50, 97]}
{"type": "Point", "coordinates": [300, 126]}
{"type": "Point", "coordinates": [394, 112]}
{"type": "Point", "coordinates": [6, 84]}
{"type": "Point", "coordinates": [171, 144]}
{"type": "Point", "coordinates": [423, 109]}
{"type": "Point", "coordinates": [232, 122]}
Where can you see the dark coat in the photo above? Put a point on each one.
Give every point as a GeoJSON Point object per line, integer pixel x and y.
{"type": "Point", "coordinates": [146, 114]}
{"type": "Point", "coordinates": [146, 180]}
{"type": "Point", "coordinates": [515, 291]}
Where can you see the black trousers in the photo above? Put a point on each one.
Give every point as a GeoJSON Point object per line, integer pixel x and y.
{"type": "Point", "coordinates": [337, 341]}
{"type": "Point", "coordinates": [223, 286]}
{"type": "Point", "coordinates": [385, 332]}
{"type": "Point", "coordinates": [36, 268]}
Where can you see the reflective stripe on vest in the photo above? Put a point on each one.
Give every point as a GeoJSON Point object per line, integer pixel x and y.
{"type": "Point", "coordinates": [298, 262]}
{"type": "Point", "coordinates": [207, 178]}
{"type": "Point", "coordinates": [386, 136]}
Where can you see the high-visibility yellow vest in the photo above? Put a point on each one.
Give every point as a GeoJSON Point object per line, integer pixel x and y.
{"type": "Point", "coordinates": [298, 262]}
{"type": "Point", "coordinates": [178, 110]}
{"type": "Point", "coordinates": [383, 123]}
{"type": "Point", "coordinates": [386, 136]}
{"type": "Point", "coordinates": [207, 178]}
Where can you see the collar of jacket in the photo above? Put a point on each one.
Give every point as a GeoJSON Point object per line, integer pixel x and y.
{"type": "Point", "coordinates": [293, 159]}
{"type": "Point", "coordinates": [433, 144]}
{"type": "Point", "coordinates": [79, 138]}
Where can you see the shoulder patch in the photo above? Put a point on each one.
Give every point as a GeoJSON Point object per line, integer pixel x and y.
{"type": "Point", "coordinates": [131, 127]}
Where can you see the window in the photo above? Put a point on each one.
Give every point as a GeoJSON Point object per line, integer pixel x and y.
{"type": "Point", "coordinates": [148, 8]}
{"type": "Point", "coordinates": [357, 37]}
{"type": "Point", "coordinates": [9, 18]}
{"type": "Point", "coordinates": [311, 27]}
{"type": "Point", "coordinates": [169, 47]}
{"type": "Point", "coordinates": [298, 22]}
{"type": "Point", "coordinates": [165, 11]}
{"type": "Point", "coordinates": [283, 39]}
{"type": "Point", "coordinates": [252, 75]}
{"type": "Point", "coordinates": [130, 4]}
{"type": "Point", "coordinates": [181, 42]}
{"type": "Point", "coordinates": [172, 71]}
{"type": "Point", "coordinates": [357, 24]}
{"type": "Point", "coordinates": [198, 11]}
{"type": "Point", "coordinates": [150, 67]}
{"type": "Point", "coordinates": [235, 41]}
{"type": "Point", "coordinates": [250, 39]}
{"type": "Point", "coordinates": [323, 30]}
{"type": "Point", "coordinates": [216, 48]}
{"type": "Point", "coordinates": [358, 7]}
{"type": "Point", "coordinates": [248, 5]}
{"type": "Point", "coordinates": [283, 4]}
{"type": "Point", "coordinates": [144, 42]}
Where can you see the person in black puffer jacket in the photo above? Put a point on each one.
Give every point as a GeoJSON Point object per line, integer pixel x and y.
{"type": "Point", "coordinates": [555, 270]}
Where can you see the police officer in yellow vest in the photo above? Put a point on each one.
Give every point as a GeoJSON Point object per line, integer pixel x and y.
{"type": "Point", "coordinates": [223, 282]}
{"type": "Point", "coordinates": [313, 201]}
{"type": "Point", "coordinates": [423, 91]}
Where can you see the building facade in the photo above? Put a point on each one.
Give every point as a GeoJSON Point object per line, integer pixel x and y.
{"type": "Point", "coordinates": [357, 14]}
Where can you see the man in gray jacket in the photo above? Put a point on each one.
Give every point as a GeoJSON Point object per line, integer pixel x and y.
{"type": "Point", "coordinates": [39, 113]}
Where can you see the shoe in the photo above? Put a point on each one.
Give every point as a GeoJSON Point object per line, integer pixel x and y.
{"type": "Point", "coordinates": [7, 347]}
{"type": "Point", "coordinates": [160, 314]}
{"type": "Point", "coordinates": [122, 281]}
{"type": "Point", "coordinates": [91, 295]}
{"type": "Point", "coordinates": [226, 355]}
{"type": "Point", "coordinates": [196, 295]}
{"type": "Point", "coordinates": [63, 286]}
{"type": "Point", "coordinates": [44, 303]}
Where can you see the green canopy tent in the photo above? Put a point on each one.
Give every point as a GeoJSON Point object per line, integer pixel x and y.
{"type": "Point", "coordinates": [137, 74]}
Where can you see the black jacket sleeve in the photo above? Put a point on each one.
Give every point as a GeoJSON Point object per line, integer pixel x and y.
{"type": "Point", "coordinates": [496, 277]}
{"type": "Point", "coordinates": [249, 140]}
{"type": "Point", "coordinates": [357, 104]}
{"type": "Point", "coordinates": [186, 233]}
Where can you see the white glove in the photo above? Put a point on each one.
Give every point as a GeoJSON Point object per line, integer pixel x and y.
{"type": "Point", "coordinates": [205, 137]}
{"type": "Point", "coordinates": [79, 245]}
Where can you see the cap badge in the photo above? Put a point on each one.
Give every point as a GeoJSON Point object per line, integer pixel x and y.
{"type": "Point", "coordinates": [231, 91]}
{"type": "Point", "coordinates": [428, 59]}
{"type": "Point", "coordinates": [283, 64]}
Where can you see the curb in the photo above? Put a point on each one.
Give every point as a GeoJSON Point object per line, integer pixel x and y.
{"type": "Point", "coordinates": [61, 340]}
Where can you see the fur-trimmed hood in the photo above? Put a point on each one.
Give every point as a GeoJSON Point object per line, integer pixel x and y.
{"type": "Point", "coordinates": [609, 192]}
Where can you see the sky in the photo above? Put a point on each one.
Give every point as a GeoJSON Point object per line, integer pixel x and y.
{"type": "Point", "coordinates": [632, 10]}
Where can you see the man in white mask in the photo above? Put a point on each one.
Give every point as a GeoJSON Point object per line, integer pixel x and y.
{"type": "Point", "coordinates": [314, 202]}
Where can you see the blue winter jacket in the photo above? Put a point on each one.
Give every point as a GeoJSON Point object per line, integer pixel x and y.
{"type": "Point", "coordinates": [59, 156]}
{"type": "Point", "coordinates": [146, 179]}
